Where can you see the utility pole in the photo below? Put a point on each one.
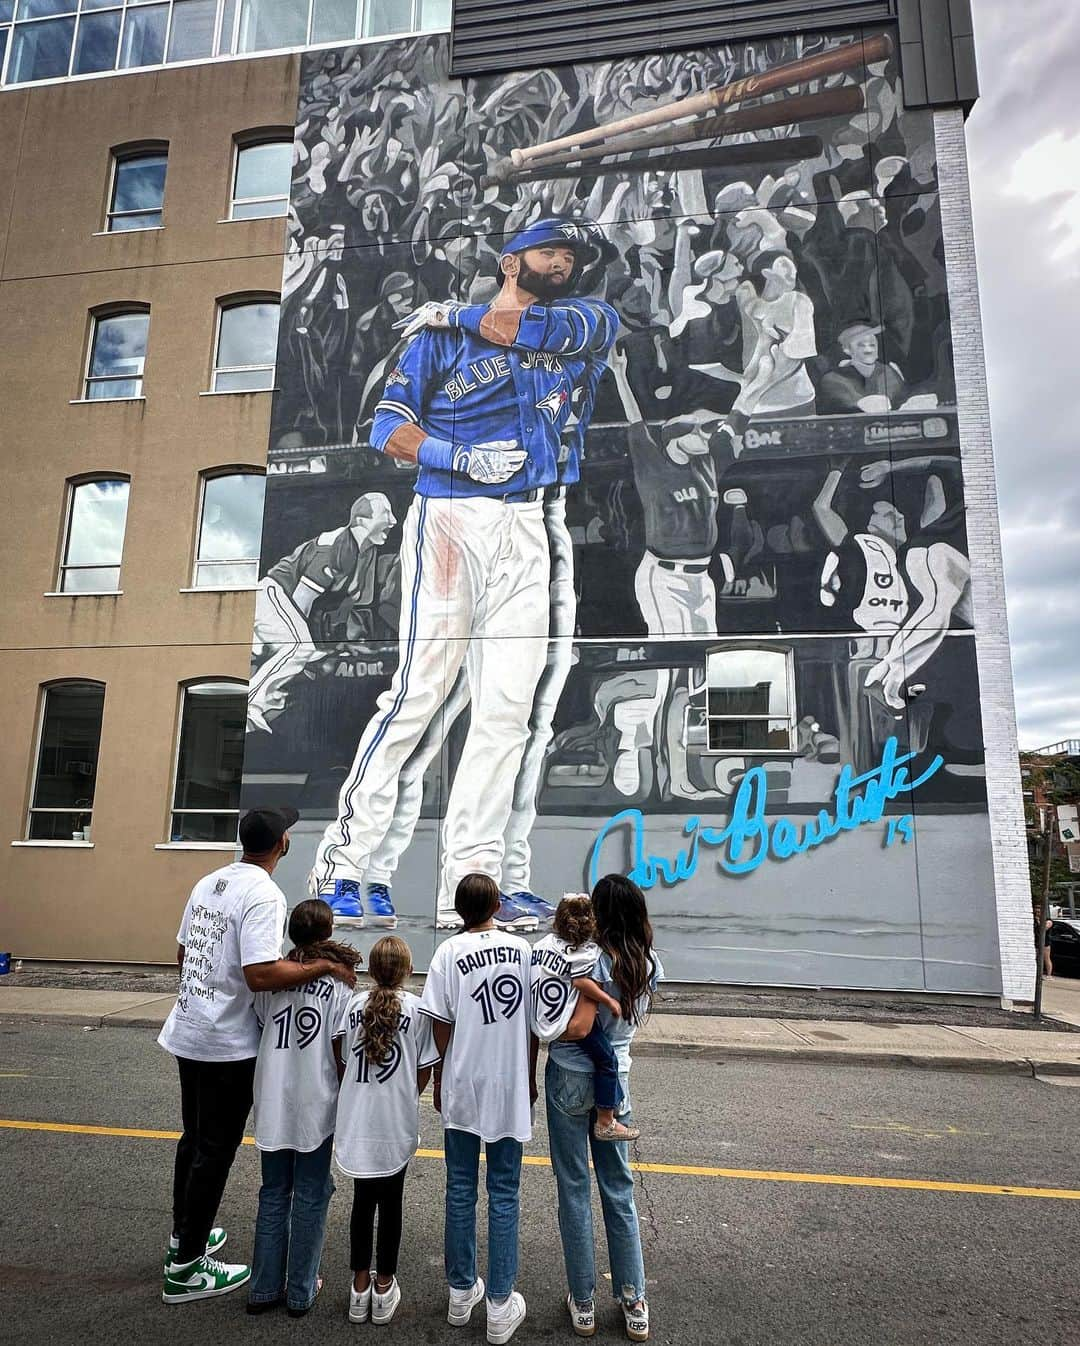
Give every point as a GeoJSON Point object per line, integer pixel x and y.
{"type": "Point", "coordinates": [1040, 943]}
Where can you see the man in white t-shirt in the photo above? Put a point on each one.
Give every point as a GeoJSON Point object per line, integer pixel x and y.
{"type": "Point", "coordinates": [477, 997]}
{"type": "Point", "coordinates": [229, 948]}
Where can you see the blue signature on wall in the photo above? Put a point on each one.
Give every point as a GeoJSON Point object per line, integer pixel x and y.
{"type": "Point", "coordinates": [750, 838]}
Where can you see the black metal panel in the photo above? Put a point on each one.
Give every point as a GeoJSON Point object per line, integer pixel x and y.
{"type": "Point", "coordinates": [936, 36]}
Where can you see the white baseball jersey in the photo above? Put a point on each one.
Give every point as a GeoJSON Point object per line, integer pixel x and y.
{"type": "Point", "coordinates": [296, 1079]}
{"type": "Point", "coordinates": [234, 917]}
{"type": "Point", "coordinates": [555, 964]}
{"type": "Point", "coordinates": [378, 1107]}
{"type": "Point", "coordinates": [478, 982]}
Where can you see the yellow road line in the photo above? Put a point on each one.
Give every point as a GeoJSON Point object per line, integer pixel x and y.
{"type": "Point", "coordinates": [674, 1170]}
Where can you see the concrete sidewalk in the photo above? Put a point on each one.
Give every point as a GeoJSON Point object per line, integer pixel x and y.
{"type": "Point", "coordinates": [709, 1037]}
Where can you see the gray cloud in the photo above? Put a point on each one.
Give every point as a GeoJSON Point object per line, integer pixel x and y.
{"type": "Point", "coordinates": [1024, 143]}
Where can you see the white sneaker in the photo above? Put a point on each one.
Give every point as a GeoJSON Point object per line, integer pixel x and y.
{"type": "Point", "coordinates": [582, 1316]}
{"type": "Point", "coordinates": [462, 1303]}
{"type": "Point", "coordinates": [504, 1319]}
{"type": "Point", "coordinates": [384, 1302]}
{"type": "Point", "coordinates": [637, 1321]}
{"type": "Point", "coordinates": [449, 920]}
{"type": "Point", "coordinates": [359, 1303]}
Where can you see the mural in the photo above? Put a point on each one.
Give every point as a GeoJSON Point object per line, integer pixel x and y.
{"type": "Point", "coordinates": [615, 514]}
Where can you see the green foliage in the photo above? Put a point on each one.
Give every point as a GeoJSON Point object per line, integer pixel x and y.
{"type": "Point", "coordinates": [1047, 781]}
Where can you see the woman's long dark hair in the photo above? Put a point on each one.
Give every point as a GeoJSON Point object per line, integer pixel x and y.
{"type": "Point", "coordinates": [624, 933]}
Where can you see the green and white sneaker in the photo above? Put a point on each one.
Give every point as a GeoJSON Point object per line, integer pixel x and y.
{"type": "Point", "coordinates": [202, 1279]}
{"type": "Point", "coordinates": [214, 1244]}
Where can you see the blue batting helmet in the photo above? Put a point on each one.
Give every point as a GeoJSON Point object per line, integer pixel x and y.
{"type": "Point", "coordinates": [582, 235]}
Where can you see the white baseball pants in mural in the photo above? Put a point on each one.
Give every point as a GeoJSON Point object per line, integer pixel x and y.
{"type": "Point", "coordinates": [474, 581]}
{"type": "Point", "coordinates": [281, 626]}
{"type": "Point", "coordinates": [517, 861]}
{"type": "Point", "coordinates": [675, 598]}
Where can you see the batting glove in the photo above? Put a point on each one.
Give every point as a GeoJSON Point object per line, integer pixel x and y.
{"type": "Point", "coordinates": [490, 463]}
{"type": "Point", "coordinates": [427, 315]}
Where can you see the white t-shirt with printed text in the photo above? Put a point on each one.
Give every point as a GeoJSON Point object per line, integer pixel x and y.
{"type": "Point", "coordinates": [478, 982]}
{"type": "Point", "coordinates": [234, 917]}
{"type": "Point", "coordinates": [555, 964]}
{"type": "Point", "coordinates": [378, 1108]}
{"type": "Point", "coordinates": [296, 1078]}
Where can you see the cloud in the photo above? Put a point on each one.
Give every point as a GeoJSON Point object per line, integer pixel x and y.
{"type": "Point", "coordinates": [1025, 168]}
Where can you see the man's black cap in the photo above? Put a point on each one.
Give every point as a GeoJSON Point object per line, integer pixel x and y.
{"type": "Point", "coordinates": [262, 829]}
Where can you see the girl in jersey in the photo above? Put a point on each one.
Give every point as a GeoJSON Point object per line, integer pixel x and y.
{"type": "Point", "coordinates": [388, 1049]}
{"type": "Point", "coordinates": [296, 1085]}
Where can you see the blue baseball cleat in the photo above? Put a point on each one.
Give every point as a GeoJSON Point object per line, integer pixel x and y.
{"type": "Point", "coordinates": [343, 896]}
{"type": "Point", "coordinates": [380, 909]}
{"type": "Point", "coordinates": [512, 917]}
{"type": "Point", "coordinates": [535, 906]}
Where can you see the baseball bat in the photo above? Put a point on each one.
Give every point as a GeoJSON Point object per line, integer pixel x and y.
{"type": "Point", "coordinates": [840, 59]}
{"type": "Point", "coordinates": [783, 112]}
{"type": "Point", "coordinates": [716, 156]}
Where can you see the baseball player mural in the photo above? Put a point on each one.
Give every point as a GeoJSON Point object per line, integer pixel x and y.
{"type": "Point", "coordinates": [297, 593]}
{"type": "Point", "coordinates": [631, 367]}
{"type": "Point", "coordinates": [479, 401]}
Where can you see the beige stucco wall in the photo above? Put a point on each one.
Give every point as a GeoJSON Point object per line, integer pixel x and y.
{"type": "Point", "coordinates": [120, 899]}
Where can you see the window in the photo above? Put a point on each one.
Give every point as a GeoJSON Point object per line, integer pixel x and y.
{"type": "Point", "coordinates": [94, 537]}
{"type": "Point", "coordinates": [209, 762]}
{"type": "Point", "coordinates": [230, 527]}
{"type": "Point", "coordinates": [53, 39]}
{"type": "Point", "coordinates": [750, 705]}
{"type": "Point", "coordinates": [70, 734]}
{"type": "Point", "coordinates": [138, 191]}
{"type": "Point", "coordinates": [261, 180]}
{"type": "Point", "coordinates": [117, 355]}
{"type": "Point", "coordinates": [246, 346]}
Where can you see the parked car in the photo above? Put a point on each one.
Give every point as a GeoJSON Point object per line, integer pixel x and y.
{"type": "Point", "coordinates": [1065, 946]}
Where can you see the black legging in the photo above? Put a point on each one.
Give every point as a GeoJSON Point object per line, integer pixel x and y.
{"type": "Point", "coordinates": [384, 1195]}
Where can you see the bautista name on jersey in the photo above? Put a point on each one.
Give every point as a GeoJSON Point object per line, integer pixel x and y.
{"type": "Point", "coordinates": [457, 386]}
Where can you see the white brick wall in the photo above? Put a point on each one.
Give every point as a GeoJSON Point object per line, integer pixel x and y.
{"type": "Point", "coordinates": [988, 583]}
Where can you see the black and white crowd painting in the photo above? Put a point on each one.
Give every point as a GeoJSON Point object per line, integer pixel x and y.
{"type": "Point", "coordinates": [751, 678]}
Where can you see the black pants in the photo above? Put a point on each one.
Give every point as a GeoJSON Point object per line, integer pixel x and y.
{"type": "Point", "coordinates": [607, 1091]}
{"type": "Point", "coordinates": [384, 1195]}
{"type": "Point", "coordinates": [215, 1099]}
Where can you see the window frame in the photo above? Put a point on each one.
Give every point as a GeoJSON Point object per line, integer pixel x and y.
{"type": "Point", "coordinates": [223, 305]}
{"type": "Point", "coordinates": [792, 716]}
{"type": "Point", "coordinates": [206, 476]}
{"type": "Point", "coordinates": [71, 486]}
{"type": "Point", "coordinates": [207, 680]}
{"type": "Point", "coordinates": [35, 770]}
{"type": "Point", "coordinates": [120, 154]}
{"type": "Point", "coordinates": [98, 316]}
{"type": "Point", "coordinates": [250, 140]}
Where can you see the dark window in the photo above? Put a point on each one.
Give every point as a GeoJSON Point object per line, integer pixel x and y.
{"type": "Point", "coordinates": [94, 541]}
{"type": "Point", "coordinates": [96, 42]}
{"type": "Point", "coordinates": [209, 762]}
{"type": "Point", "coordinates": [117, 356]}
{"type": "Point", "coordinates": [41, 50]}
{"type": "Point", "coordinates": [63, 795]}
{"type": "Point", "coordinates": [230, 527]}
{"type": "Point", "coordinates": [262, 180]}
{"type": "Point", "coordinates": [138, 192]}
{"type": "Point", "coordinates": [246, 346]}
{"type": "Point", "coordinates": [144, 36]}
{"type": "Point", "coordinates": [750, 701]}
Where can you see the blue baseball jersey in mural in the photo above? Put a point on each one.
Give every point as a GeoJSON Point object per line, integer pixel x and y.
{"type": "Point", "coordinates": [459, 387]}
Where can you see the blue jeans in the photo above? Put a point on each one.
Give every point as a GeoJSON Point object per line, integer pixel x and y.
{"type": "Point", "coordinates": [570, 1113]}
{"type": "Point", "coordinates": [462, 1184]}
{"type": "Point", "coordinates": [607, 1091]}
{"type": "Point", "coordinates": [289, 1230]}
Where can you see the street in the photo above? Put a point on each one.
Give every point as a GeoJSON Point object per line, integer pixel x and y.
{"type": "Point", "coordinates": [765, 1252]}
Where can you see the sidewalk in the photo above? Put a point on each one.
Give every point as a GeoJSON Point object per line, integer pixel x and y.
{"type": "Point", "coordinates": [928, 1046]}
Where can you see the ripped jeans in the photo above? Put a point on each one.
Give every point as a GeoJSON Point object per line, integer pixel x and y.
{"type": "Point", "coordinates": [570, 1114]}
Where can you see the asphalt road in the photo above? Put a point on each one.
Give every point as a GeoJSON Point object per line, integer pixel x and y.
{"type": "Point", "coordinates": [737, 1258]}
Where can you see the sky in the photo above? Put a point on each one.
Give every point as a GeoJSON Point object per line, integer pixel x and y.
{"type": "Point", "coordinates": [1024, 148]}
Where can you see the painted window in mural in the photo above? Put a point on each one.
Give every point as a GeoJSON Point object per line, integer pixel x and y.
{"type": "Point", "coordinates": [230, 525]}
{"type": "Point", "coordinates": [117, 355]}
{"type": "Point", "coordinates": [138, 190]}
{"type": "Point", "coordinates": [615, 509]}
{"type": "Point", "coordinates": [209, 762]}
{"type": "Point", "coordinates": [261, 180]}
{"type": "Point", "coordinates": [749, 700]}
{"type": "Point", "coordinates": [94, 536]}
{"type": "Point", "coordinates": [246, 343]}
{"type": "Point", "coordinates": [69, 736]}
